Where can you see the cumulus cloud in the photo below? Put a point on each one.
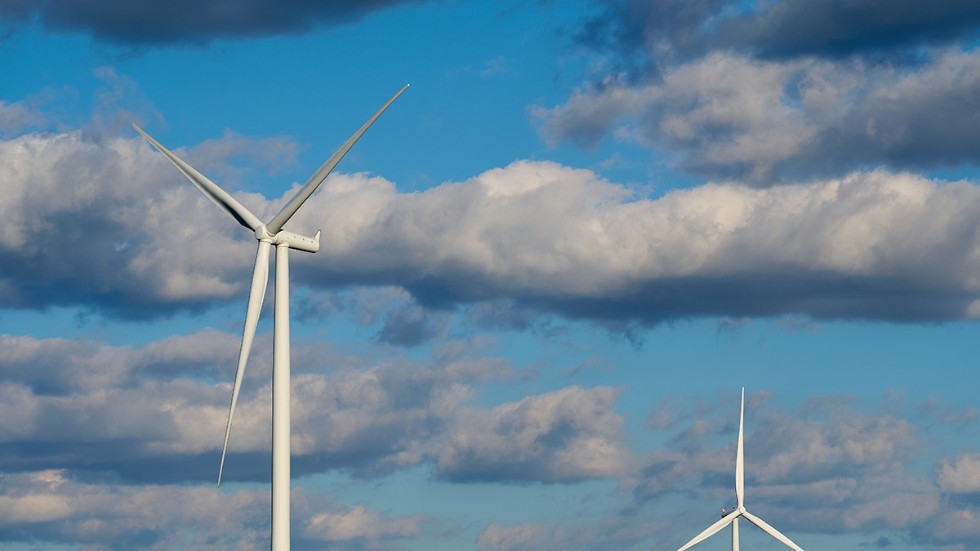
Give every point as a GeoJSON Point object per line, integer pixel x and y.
{"type": "Point", "coordinates": [838, 29]}
{"type": "Point", "coordinates": [52, 507]}
{"type": "Point", "coordinates": [94, 221]}
{"type": "Point", "coordinates": [731, 116]}
{"type": "Point", "coordinates": [359, 523]}
{"type": "Point", "coordinates": [109, 225]}
{"type": "Point", "coordinates": [961, 476]}
{"type": "Point", "coordinates": [829, 468]}
{"type": "Point", "coordinates": [146, 23]}
{"type": "Point", "coordinates": [626, 530]}
{"type": "Point", "coordinates": [563, 240]}
{"type": "Point", "coordinates": [511, 538]}
{"type": "Point", "coordinates": [16, 116]}
{"type": "Point", "coordinates": [772, 92]}
{"type": "Point", "coordinates": [674, 29]}
{"type": "Point", "coordinates": [106, 410]}
{"type": "Point", "coordinates": [566, 435]}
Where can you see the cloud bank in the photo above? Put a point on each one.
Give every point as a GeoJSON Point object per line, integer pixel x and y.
{"type": "Point", "coordinates": [780, 91]}
{"type": "Point", "coordinates": [145, 23]}
{"type": "Point", "coordinates": [114, 229]}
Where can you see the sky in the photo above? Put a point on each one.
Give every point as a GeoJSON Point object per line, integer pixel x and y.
{"type": "Point", "coordinates": [545, 273]}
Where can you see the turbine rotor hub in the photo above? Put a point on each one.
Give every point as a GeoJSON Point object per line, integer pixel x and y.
{"type": "Point", "coordinates": [262, 234]}
{"type": "Point", "coordinates": [289, 239]}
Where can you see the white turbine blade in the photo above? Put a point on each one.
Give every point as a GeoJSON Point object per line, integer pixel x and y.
{"type": "Point", "coordinates": [735, 535]}
{"type": "Point", "coordinates": [711, 530]}
{"type": "Point", "coordinates": [771, 531]}
{"type": "Point", "coordinates": [217, 195]}
{"type": "Point", "coordinates": [739, 457]}
{"type": "Point", "coordinates": [320, 175]}
{"type": "Point", "coordinates": [260, 279]}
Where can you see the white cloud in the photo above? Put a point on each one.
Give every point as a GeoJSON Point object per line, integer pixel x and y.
{"type": "Point", "coordinates": [830, 469]}
{"type": "Point", "coordinates": [156, 517]}
{"type": "Point", "coordinates": [511, 538]}
{"type": "Point", "coordinates": [160, 404]}
{"type": "Point", "coordinates": [111, 226]}
{"type": "Point", "coordinates": [562, 436]}
{"type": "Point", "coordinates": [962, 476]}
{"type": "Point", "coordinates": [358, 522]}
{"type": "Point", "coordinates": [732, 116]}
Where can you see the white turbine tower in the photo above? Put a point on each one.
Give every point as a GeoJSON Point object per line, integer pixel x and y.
{"type": "Point", "coordinates": [270, 234]}
{"type": "Point", "coordinates": [732, 517]}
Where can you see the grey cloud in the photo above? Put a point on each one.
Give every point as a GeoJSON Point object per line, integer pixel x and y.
{"type": "Point", "coordinates": [110, 226]}
{"type": "Point", "coordinates": [357, 525]}
{"type": "Point", "coordinates": [829, 469]}
{"type": "Point", "coordinates": [648, 35]}
{"type": "Point", "coordinates": [563, 436]}
{"type": "Point", "coordinates": [961, 476]}
{"type": "Point", "coordinates": [105, 223]}
{"type": "Point", "coordinates": [412, 325]}
{"type": "Point", "coordinates": [561, 240]}
{"type": "Point", "coordinates": [838, 29]}
{"type": "Point", "coordinates": [768, 122]}
{"type": "Point", "coordinates": [512, 538]}
{"type": "Point", "coordinates": [624, 529]}
{"type": "Point", "coordinates": [143, 22]}
{"type": "Point", "coordinates": [51, 507]}
{"type": "Point", "coordinates": [16, 116]}
{"type": "Point", "coordinates": [365, 418]}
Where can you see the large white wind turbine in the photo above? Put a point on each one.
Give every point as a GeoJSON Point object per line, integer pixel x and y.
{"type": "Point", "coordinates": [269, 234]}
{"type": "Point", "coordinates": [739, 511]}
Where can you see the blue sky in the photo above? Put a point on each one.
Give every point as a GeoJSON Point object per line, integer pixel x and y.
{"type": "Point", "coordinates": [545, 272]}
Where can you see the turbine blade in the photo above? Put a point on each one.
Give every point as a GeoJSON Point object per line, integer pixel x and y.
{"type": "Point", "coordinates": [280, 219]}
{"type": "Point", "coordinates": [217, 195]}
{"type": "Point", "coordinates": [771, 531]}
{"type": "Point", "coordinates": [740, 457]}
{"type": "Point", "coordinates": [260, 280]}
{"type": "Point", "coordinates": [711, 530]}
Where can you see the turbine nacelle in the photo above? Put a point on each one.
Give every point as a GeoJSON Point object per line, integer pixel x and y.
{"type": "Point", "coordinates": [725, 511]}
{"type": "Point", "coordinates": [290, 239]}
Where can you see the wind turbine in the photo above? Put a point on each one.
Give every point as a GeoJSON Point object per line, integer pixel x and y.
{"type": "Point", "coordinates": [269, 234]}
{"type": "Point", "coordinates": [739, 511]}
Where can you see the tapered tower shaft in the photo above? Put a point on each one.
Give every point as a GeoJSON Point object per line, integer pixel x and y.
{"type": "Point", "coordinates": [280, 405]}
{"type": "Point", "coordinates": [735, 535]}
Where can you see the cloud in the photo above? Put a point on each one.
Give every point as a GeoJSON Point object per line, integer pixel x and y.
{"type": "Point", "coordinates": [672, 30]}
{"type": "Point", "coordinates": [359, 523]}
{"type": "Point", "coordinates": [962, 476]}
{"type": "Point", "coordinates": [102, 222]}
{"type": "Point", "coordinates": [839, 29]}
{"type": "Point", "coordinates": [830, 468]}
{"type": "Point", "coordinates": [17, 116]}
{"type": "Point", "coordinates": [109, 225]}
{"type": "Point", "coordinates": [726, 115]}
{"type": "Point", "coordinates": [511, 538]}
{"type": "Point", "coordinates": [412, 325]}
{"type": "Point", "coordinates": [51, 507]}
{"type": "Point", "coordinates": [565, 241]}
{"type": "Point", "coordinates": [153, 414]}
{"type": "Point", "coordinates": [143, 22]}
{"type": "Point", "coordinates": [562, 436]}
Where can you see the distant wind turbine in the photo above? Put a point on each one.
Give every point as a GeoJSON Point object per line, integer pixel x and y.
{"type": "Point", "coordinates": [739, 511]}
{"type": "Point", "coordinates": [270, 234]}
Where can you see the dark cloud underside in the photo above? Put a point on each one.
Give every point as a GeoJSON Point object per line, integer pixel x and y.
{"type": "Point", "coordinates": [145, 22]}
{"type": "Point", "coordinates": [778, 30]}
